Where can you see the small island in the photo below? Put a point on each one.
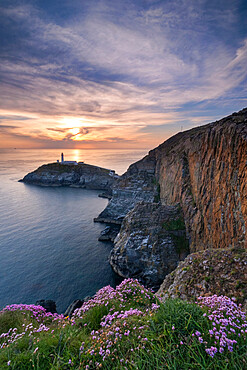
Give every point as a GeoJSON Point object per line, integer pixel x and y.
{"type": "Point", "coordinates": [73, 174]}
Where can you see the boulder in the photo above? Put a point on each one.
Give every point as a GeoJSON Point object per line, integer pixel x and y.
{"type": "Point", "coordinates": [48, 304]}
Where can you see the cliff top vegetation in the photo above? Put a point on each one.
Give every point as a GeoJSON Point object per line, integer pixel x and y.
{"type": "Point", "coordinates": [126, 328]}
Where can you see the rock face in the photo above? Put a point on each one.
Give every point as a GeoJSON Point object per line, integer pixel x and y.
{"type": "Point", "coordinates": [48, 304]}
{"type": "Point", "coordinates": [214, 271]}
{"type": "Point", "coordinates": [81, 175]}
{"type": "Point", "coordinates": [151, 242]}
{"type": "Point", "coordinates": [73, 306]}
{"type": "Point", "coordinates": [205, 171]}
{"type": "Point", "coordinates": [136, 185]}
{"type": "Point", "coordinates": [109, 233]}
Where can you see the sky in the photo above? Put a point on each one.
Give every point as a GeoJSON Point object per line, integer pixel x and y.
{"type": "Point", "coordinates": [117, 73]}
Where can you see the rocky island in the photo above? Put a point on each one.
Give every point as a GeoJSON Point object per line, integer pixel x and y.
{"type": "Point", "coordinates": [75, 174]}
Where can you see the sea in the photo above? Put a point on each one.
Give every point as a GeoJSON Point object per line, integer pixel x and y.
{"type": "Point", "coordinates": [49, 246]}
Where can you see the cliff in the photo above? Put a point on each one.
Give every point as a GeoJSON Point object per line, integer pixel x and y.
{"type": "Point", "coordinates": [136, 185]}
{"type": "Point", "coordinates": [150, 244]}
{"type": "Point", "coordinates": [204, 172]}
{"type": "Point", "coordinates": [81, 175]}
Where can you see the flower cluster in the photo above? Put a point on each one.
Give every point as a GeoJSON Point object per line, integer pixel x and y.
{"type": "Point", "coordinates": [105, 341]}
{"type": "Point", "coordinates": [228, 323]}
{"type": "Point", "coordinates": [122, 323]}
{"type": "Point", "coordinates": [37, 313]}
{"type": "Point", "coordinates": [128, 289]}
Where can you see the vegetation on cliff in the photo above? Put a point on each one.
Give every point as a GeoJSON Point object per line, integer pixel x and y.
{"type": "Point", "coordinates": [214, 271]}
{"type": "Point", "coordinates": [126, 328]}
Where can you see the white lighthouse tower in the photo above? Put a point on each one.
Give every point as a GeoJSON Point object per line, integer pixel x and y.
{"type": "Point", "coordinates": [62, 159]}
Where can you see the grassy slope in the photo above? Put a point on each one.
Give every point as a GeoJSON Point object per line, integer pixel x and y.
{"type": "Point", "coordinates": [118, 329]}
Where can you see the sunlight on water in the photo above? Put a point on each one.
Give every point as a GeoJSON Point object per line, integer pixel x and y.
{"type": "Point", "coordinates": [48, 241]}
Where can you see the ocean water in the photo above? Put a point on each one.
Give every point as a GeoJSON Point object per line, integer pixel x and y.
{"type": "Point", "coordinates": [49, 246]}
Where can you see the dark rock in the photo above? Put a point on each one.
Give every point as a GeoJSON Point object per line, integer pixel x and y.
{"type": "Point", "coordinates": [73, 306]}
{"type": "Point", "coordinates": [109, 233]}
{"type": "Point", "coordinates": [105, 195]}
{"type": "Point", "coordinates": [151, 242]}
{"type": "Point", "coordinates": [87, 298]}
{"type": "Point", "coordinates": [81, 176]}
{"type": "Point", "coordinates": [136, 185]}
{"type": "Point", "coordinates": [48, 304]}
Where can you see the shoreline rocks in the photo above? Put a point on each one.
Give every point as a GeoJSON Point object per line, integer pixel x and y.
{"type": "Point", "coordinates": [109, 233]}
{"type": "Point", "coordinates": [77, 303]}
{"type": "Point", "coordinates": [151, 242]}
{"type": "Point", "coordinates": [83, 176]}
{"type": "Point", "coordinates": [48, 304]}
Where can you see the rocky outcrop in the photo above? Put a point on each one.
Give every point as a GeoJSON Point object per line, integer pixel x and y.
{"type": "Point", "coordinates": [73, 306]}
{"type": "Point", "coordinates": [48, 304]}
{"type": "Point", "coordinates": [137, 184]}
{"type": "Point", "coordinates": [81, 175]}
{"type": "Point", "coordinates": [205, 171]}
{"type": "Point", "coordinates": [151, 242]}
{"type": "Point", "coordinates": [109, 233]}
{"type": "Point", "coordinates": [214, 271]}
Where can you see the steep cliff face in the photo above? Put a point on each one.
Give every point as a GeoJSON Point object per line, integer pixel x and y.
{"type": "Point", "coordinates": [136, 185]}
{"type": "Point", "coordinates": [205, 171]}
{"type": "Point", "coordinates": [150, 244]}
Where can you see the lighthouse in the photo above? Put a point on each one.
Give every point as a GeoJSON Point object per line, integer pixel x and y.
{"type": "Point", "coordinates": [62, 159]}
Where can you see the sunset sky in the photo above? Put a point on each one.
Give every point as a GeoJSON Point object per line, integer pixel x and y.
{"type": "Point", "coordinates": [118, 73]}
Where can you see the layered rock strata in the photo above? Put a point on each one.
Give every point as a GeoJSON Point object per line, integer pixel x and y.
{"type": "Point", "coordinates": [205, 171]}
{"type": "Point", "coordinates": [151, 242]}
{"type": "Point", "coordinates": [136, 185]}
{"type": "Point", "coordinates": [81, 175]}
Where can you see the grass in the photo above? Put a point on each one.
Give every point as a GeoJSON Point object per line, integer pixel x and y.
{"type": "Point", "coordinates": [125, 328]}
{"type": "Point", "coordinates": [174, 225]}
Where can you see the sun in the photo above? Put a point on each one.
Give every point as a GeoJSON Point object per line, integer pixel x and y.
{"type": "Point", "coordinates": [75, 130]}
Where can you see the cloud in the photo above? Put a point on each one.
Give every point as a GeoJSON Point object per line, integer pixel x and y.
{"type": "Point", "coordinates": [7, 128]}
{"type": "Point", "coordinates": [57, 129]}
{"type": "Point", "coordinates": [117, 139]}
{"type": "Point", "coordinates": [120, 65]}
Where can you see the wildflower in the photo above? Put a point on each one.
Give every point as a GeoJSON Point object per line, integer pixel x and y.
{"type": "Point", "coordinates": [8, 363]}
{"type": "Point", "coordinates": [36, 349]}
{"type": "Point", "coordinates": [173, 327]}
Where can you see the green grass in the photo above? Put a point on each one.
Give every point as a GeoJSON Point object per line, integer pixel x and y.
{"type": "Point", "coordinates": [174, 225]}
{"type": "Point", "coordinates": [161, 338]}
